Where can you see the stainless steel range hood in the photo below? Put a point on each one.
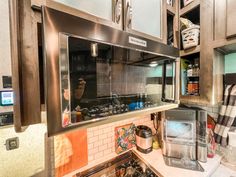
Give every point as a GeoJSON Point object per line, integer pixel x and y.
{"type": "Point", "coordinates": [65, 33]}
{"type": "Point", "coordinates": [62, 22]}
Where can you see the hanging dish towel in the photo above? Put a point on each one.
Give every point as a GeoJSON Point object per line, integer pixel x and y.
{"type": "Point", "coordinates": [227, 116]}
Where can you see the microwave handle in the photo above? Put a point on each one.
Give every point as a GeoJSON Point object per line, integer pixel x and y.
{"type": "Point", "coordinates": [175, 82]}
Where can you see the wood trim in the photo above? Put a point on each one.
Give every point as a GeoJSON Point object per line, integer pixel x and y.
{"type": "Point", "coordinates": [25, 69]}
{"type": "Point", "coordinates": [190, 51]}
{"type": "Point", "coordinates": [189, 7]}
{"type": "Point", "coordinates": [171, 9]}
{"type": "Point", "coordinates": [164, 22]}
{"type": "Point", "coordinates": [223, 42]}
{"type": "Point", "coordinates": [15, 45]}
{"type": "Point", "coordinates": [230, 18]}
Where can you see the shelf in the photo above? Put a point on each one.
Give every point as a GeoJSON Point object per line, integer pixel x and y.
{"type": "Point", "coordinates": [186, 99]}
{"type": "Point", "coordinates": [189, 7]}
{"type": "Point", "coordinates": [192, 76]}
{"type": "Point", "coordinates": [190, 51]}
{"type": "Point", "coordinates": [171, 9]}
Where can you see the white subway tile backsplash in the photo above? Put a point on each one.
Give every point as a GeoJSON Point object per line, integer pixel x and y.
{"type": "Point", "coordinates": [93, 139]}
{"type": "Point", "coordinates": [98, 155]}
{"type": "Point", "coordinates": [112, 143]}
{"type": "Point", "coordinates": [93, 129]}
{"type": "Point", "coordinates": [93, 151]}
{"type": "Point", "coordinates": [107, 140]}
{"type": "Point", "coordinates": [96, 132]}
{"type": "Point", "coordinates": [90, 158]}
{"type": "Point", "coordinates": [107, 130]}
{"type": "Point", "coordinates": [101, 139]}
{"type": "Point", "coordinates": [90, 134]}
{"type": "Point", "coordinates": [107, 151]}
{"type": "Point", "coordinates": [100, 143]}
{"type": "Point", "coordinates": [95, 144]}
{"type": "Point", "coordinates": [111, 133]}
{"type": "Point", "coordinates": [103, 147]}
{"type": "Point", "coordinates": [102, 126]}
{"type": "Point", "coordinates": [90, 146]}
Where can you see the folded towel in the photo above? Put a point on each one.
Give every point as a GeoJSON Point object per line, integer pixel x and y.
{"type": "Point", "coordinates": [227, 116]}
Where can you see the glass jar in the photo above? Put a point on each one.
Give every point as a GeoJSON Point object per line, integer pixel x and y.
{"type": "Point", "coordinates": [196, 70]}
{"type": "Point", "coordinates": [190, 87]}
{"type": "Point", "coordinates": [190, 70]}
{"type": "Point", "coordinates": [196, 87]}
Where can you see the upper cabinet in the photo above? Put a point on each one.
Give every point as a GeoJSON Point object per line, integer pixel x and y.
{"type": "Point", "coordinates": [139, 17]}
{"type": "Point", "coordinates": [224, 32]}
{"type": "Point", "coordinates": [201, 65]}
{"type": "Point", "coordinates": [144, 18]}
{"type": "Point", "coordinates": [230, 18]}
{"type": "Point", "coordinates": [108, 12]}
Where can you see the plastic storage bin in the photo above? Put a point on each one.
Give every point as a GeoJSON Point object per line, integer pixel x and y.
{"type": "Point", "coordinates": [190, 37]}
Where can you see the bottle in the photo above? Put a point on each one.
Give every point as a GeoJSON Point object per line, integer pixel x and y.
{"type": "Point", "coordinates": [196, 87]}
{"type": "Point", "coordinates": [190, 70]}
{"type": "Point", "coordinates": [211, 145]}
{"type": "Point", "coordinates": [190, 87]}
{"type": "Point", "coordinates": [196, 67]}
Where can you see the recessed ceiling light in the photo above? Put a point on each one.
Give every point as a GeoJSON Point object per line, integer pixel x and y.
{"type": "Point", "coordinates": [153, 64]}
{"type": "Point", "coordinates": [94, 49]}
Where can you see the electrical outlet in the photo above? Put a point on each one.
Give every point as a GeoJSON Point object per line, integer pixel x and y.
{"type": "Point", "coordinates": [12, 143]}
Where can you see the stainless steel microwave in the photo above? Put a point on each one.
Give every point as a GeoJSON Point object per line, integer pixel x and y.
{"type": "Point", "coordinates": [93, 71]}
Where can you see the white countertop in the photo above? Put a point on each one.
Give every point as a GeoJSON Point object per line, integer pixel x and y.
{"type": "Point", "coordinates": [155, 159]}
{"type": "Point", "coordinates": [223, 171]}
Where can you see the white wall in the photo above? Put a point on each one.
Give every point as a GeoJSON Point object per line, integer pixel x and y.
{"type": "Point", "coordinates": [29, 158]}
{"type": "Point", "coordinates": [5, 55]}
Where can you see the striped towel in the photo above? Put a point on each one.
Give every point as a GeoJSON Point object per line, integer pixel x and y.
{"type": "Point", "coordinates": [227, 116]}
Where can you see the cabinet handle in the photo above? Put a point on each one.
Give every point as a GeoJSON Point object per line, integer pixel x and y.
{"type": "Point", "coordinates": [129, 15]}
{"type": "Point", "coordinates": [117, 11]}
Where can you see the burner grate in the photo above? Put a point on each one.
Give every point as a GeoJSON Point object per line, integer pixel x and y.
{"type": "Point", "coordinates": [125, 165]}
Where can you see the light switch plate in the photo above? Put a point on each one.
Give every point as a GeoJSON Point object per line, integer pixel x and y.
{"type": "Point", "coordinates": [12, 143]}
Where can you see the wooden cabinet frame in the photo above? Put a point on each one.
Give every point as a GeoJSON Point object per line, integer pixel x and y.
{"type": "Point", "coordinates": [211, 61]}
{"type": "Point", "coordinates": [25, 65]}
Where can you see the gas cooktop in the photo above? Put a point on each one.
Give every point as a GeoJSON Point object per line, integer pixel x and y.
{"type": "Point", "coordinates": [125, 165]}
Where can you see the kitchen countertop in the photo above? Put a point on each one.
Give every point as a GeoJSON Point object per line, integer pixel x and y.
{"type": "Point", "coordinates": [223, 171]}
{"type": "Point", "coordinates": [155, 159]}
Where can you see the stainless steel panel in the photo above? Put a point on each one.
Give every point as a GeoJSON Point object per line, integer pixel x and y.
{"type": "Point", "coordinates": [180, 150]}
{"type": "Point", "coordinates": [144, 143]}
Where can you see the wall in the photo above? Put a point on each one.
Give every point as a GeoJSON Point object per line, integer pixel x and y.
{"type": "Point", "coordinates": [5, 55]}
{"type": "Point", "coordinates": [230, 63]}
{"type": "Point", "coordinates": [101, 140]}
{"type": "Point", "coordinates": [29, 158]}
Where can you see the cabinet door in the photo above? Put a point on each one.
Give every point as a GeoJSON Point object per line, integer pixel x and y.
{"type": "Point", "coordinates": [144, 18]}
{"type": "Point", "coordinates": [230, 18]}
{"type": "Point", "coordinates": [107, 11]}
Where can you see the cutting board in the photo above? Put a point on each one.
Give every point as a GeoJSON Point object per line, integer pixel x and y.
{"type": "Point", "coordinates": [70, 152]}
{"type": "Point", "coordinates": [124, 137]}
